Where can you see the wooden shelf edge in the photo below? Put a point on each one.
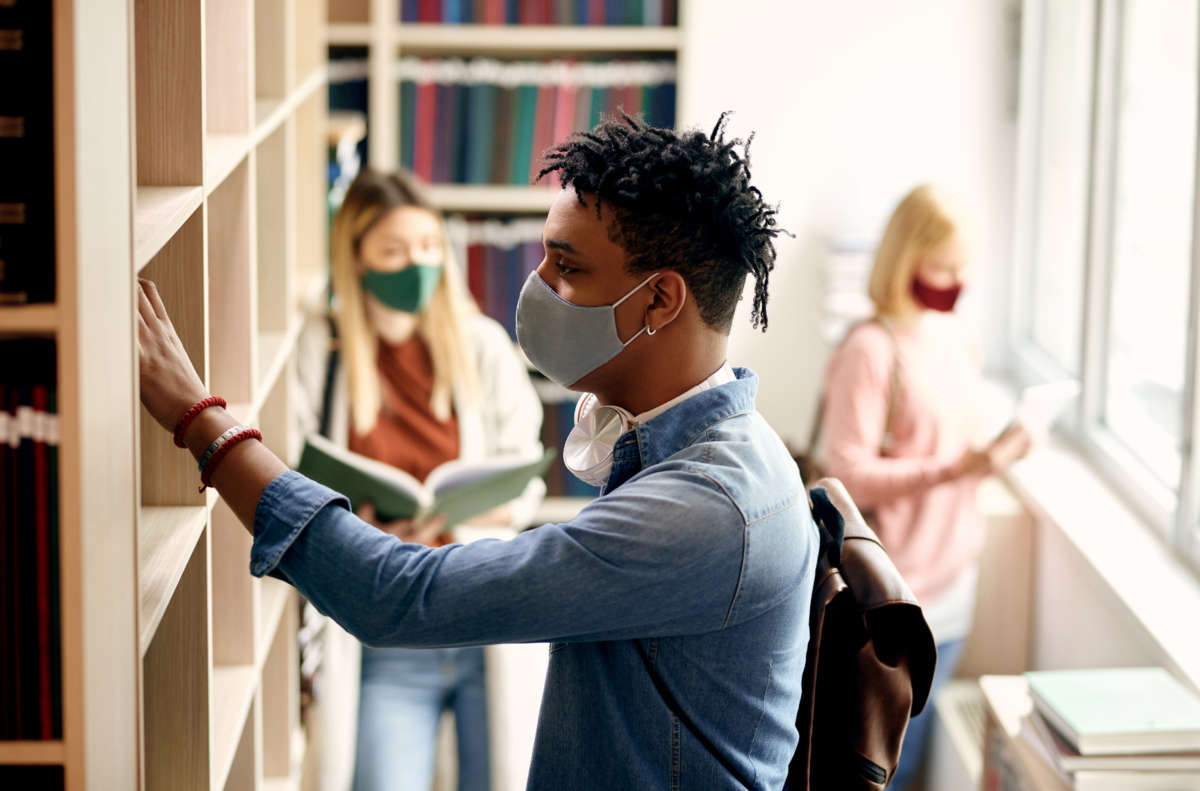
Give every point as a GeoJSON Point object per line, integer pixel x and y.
{"type": "Point", "coordinates": [232, 692]}
{"type": "Point", "coordinates": [292, 781]}
{"type": "Point", "coordinates": [167, 536]}
{"type": "Point", "coordinates": [222, 154]}
{"type": "Point", "coordinates": [347, 33]}
{"type": "Point", "coordinates": [158, 214]}
{"type": "Point", "coordinates": [39, 319]}
{"type": "Point", "coordinates": [285, 107]}
{"type": "Point", "coordinates": [537, 38]}
{"type": "Point", "coordinates": [490, 199]}
{"type": "Point", "coordinates": [44, 753]}
{"type": "Point", "coordinates": [274, 601]}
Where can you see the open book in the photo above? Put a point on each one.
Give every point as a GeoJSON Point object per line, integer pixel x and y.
{"type": "Point", "coordinates": [458, 489]}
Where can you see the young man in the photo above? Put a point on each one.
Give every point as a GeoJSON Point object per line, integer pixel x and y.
{"type": "Point", "coordinates": [676, 603]}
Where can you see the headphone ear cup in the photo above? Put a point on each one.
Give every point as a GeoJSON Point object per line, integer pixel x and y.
{"type": "Point", "coordinates": [588, 451]}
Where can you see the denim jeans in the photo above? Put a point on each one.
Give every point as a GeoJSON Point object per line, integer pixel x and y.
{"type": "Point", "coordinates": [404, 692]}
{"type": "Point", "coordinates": [916, 738]}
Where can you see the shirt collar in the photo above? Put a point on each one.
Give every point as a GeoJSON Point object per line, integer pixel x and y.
{"type": "Point", "coordinates": [681, 424]}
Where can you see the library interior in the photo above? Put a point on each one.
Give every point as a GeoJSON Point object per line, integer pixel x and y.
{"type": "Point", "coordinates": [599, 394]}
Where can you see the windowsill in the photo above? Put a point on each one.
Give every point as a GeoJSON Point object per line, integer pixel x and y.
{"type": "Point", "coordinates": [1159, 591]}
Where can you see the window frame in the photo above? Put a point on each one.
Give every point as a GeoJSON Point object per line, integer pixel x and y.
{"type": "Point", "coordinates": [1173, 512]}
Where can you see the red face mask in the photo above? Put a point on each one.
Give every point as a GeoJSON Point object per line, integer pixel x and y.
{"type": "Point", "coordinates": [939, 299]}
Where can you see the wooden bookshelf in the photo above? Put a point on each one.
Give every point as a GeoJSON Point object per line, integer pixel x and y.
{"type": "Point", "coordinates": [373, 24]}
{"type": "Point", "coordinates": [189, 150]}
{"type": "Point", "coordinates": [492, 199]}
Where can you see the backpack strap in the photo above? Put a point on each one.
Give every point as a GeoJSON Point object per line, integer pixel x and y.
{"type": "Point", "coordinates": [885, 443]}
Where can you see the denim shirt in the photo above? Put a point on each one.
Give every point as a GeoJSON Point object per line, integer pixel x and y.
{"type": "Point", "coordinates": [676, 603]}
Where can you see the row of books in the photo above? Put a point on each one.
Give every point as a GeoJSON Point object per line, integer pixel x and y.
{"type": "Point", "coordinates": [30, 659]}
{"type": "Point", "coordinates": [473, 131]}
{"type": "Point", "coordinates": [558, 418]}
{"type": "Point", "coordinates": [540, 12]}
{"type": "Point", "coordinates": [1120, 729]}
{"type": "Point", "coordinates": [26, 154]}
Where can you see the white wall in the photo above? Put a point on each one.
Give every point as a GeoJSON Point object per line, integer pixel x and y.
{"type": "Point", "coordinates": [854, 102]}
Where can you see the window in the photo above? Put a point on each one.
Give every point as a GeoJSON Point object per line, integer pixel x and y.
{"type": "Point", "coordinates": [1106, 224]}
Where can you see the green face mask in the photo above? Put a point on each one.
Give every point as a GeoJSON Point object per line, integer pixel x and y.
{"type": "Point", "coordinates": [409, 289]}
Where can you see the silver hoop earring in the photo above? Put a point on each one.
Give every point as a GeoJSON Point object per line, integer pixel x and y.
{"type": "Point", "coordinates": [650, 330]}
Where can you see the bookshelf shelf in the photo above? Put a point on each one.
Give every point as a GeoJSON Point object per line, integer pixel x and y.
{"type": "Point", "coordinates": [269, 113]}
{"type": "Point", "coordinates": [158, 214]}
{"type": "Point", "coordinates": [32, 753]}
{"type": "Point", "coordinates": [513, 39]}
{"type": "Point", "coordinates": [489, 199]}
{"type": "Point", "coordinates": [223, 153]}
{"type": "Point", "coordinates": [29, 319]}
{"type": "Point", "coordinates": [232, 693]}
{"type": "Point", "coordinates": [167, 537]}
{"type": "Point", "coordinates": [274, 600]}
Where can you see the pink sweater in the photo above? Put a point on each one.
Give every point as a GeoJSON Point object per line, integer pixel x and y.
{"type": "Point", "coordinates": [926, 518]}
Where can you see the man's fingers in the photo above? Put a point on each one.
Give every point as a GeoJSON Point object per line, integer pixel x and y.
{"type": "Point", "coordinates": [155, 300]}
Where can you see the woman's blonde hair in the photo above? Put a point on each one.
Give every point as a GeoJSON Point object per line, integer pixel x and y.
{"type": "Point", "coordinates": [442, 323]}
{"type": "Point", "coordinates": [923, 220]}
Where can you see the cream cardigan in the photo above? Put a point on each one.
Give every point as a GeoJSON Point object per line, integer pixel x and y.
{"type": "Point", "coordinates": [507, 420]}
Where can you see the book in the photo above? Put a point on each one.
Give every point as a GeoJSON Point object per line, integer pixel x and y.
{"type": "Point", "coordinates": [1064, 758]}
{"type": "Point", "coordinates": [1118, 710]}
{"type": "Point", "coordinates": [458, 490]}
{"type": "Point", "coordinates": [1137, 781]}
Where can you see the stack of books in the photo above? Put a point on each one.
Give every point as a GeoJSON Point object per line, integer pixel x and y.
{"type": "Point", "coordinates": [540, 12]}
{"type": "Point", "coordinates": [1122, 729]}
{"type": "Point", "coordinates": [483, 121]}
{"type": "Point", "coordinates": [30, 658]}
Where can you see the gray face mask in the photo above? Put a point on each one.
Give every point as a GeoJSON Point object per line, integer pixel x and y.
{"type": "Point", "coordinates": [566, 341]}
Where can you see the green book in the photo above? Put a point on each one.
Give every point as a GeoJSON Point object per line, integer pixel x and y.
{"type": "Point", "coordinates": [1119, 710]}
{"type": "Point", "coordinates": [408, 122]}
{"type": "Point", "coordinates": [458, 490]}
{"type": "Point", "coordinates": [522, 144]}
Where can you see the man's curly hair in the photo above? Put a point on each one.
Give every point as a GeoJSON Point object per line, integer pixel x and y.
{"type": "Point", "coordinates": [682, 201]}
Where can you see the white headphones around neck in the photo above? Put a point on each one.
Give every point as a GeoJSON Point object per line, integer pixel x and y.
{"type": "Point", "coordinates": [588, 451]}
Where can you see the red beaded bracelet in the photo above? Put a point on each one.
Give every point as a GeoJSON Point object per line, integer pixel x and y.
{"type": "Point", "coordinates": [191, 414]}
{"type": "Point", "coordinates": [210, 464]}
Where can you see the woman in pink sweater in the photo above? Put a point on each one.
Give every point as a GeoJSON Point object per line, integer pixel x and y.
{"type": "Point", "coordinates": [901, 394]}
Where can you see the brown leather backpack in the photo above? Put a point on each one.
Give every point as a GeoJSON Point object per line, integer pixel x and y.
{"type": "Point", "coordinates": [870, 656]}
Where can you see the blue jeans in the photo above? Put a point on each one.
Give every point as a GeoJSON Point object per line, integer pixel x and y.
{"type": "Point", "coordinates": [404, 692]}
{"type": "Point", "coordinates": [917, 736]}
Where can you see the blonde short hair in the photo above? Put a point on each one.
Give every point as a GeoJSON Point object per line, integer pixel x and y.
{"type": "Point", "coordinates": [442, 324]}
{"type": "Point", "coordinates": [922, 220]}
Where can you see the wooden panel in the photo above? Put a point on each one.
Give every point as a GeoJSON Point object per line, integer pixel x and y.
{"type": "Point", "coordinates": [31, 753]}
{"type": "Point", "coordinates": [159, 213]}
{"type": "Point", "coordinates": [310, 39]}
{"type": "Point", "coordinates": [169, 475]}
{"type": "Point", "coordinates": [29, 318]}
{"type": "Point", "coordinates": [276, 415]}
{"type": "Point", "coordinates": [231, 286]}
{"type": "Point", "coordinates": [311, 214]}
{"type": "Point", "coordinates": [280, 696]}
{"type": "Point", "coordinates": [232, 692]}
{"type": "Point", "coordinates": [273, 47]}
{"type": "Point", "coordinates": [176, 687]}
{"type": "Point", "coordinates": [167, 538]}
{"type": "Point", "coordinates": [169, 79]}
{"type": "Point", "coordinates": [350, 11]}
{"type": "Point", "coordinates": [244, 772]}
{"type": "Point", "coordinates": [276, 201]}
{"type": "Point", "coordinates": [229, 61]}
{"type": "Point", "coordinates": [235, 591]}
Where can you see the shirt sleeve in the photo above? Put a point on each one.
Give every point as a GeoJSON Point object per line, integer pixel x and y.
{"type": "Point", "coordinates": [856, 402]}
{"type": "Point", "coordinates": [610, 574]}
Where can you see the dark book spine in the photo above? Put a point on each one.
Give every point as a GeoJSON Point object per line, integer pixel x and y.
{"type": "Point", "coordinates": [27, 243]}
{"type": "Point", "coordinates": [13, 572]}
{"type": "Point", "coordinates": [52, 441]}
{"type": "Point", "coordinates": [7, 614]}
{"type": "Point", "coordinates": [41, 496]}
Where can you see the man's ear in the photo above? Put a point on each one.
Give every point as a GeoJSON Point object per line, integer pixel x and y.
{"type": "Point", "coordinates": [668, 295]}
